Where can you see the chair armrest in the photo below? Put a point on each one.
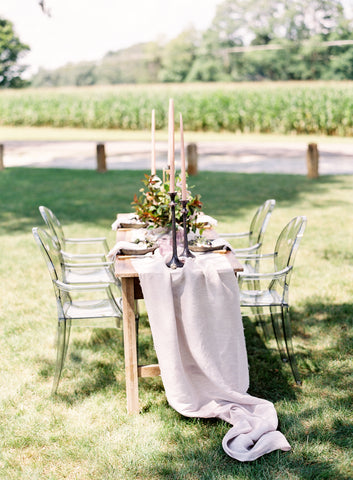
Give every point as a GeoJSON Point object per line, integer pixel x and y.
{"type": "Point", "coordinates": [81, 288]}
{"type": "Point", "coordinates": [89, 241]}
{"type": "Point", "coordinates": [88, 265]}
{"type": "Point", "coordinates": [86, 240]}
{"type": "Point", "coordinates": [83, 256]}
{"type": "Point", "coordinates": [235, 235]}
{"type": "Point", "coordinates": [246, 249]}
{"type": "Point", "coordinates": [255, 256]}
{"type": "Point", "coordinates": [259, 276]}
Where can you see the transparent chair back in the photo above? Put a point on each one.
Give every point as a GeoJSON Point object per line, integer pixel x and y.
{"type": "Point", "coordinates": [259, 223]}
{"type": "Point", "coordinates": [99, 244]}
{"type": "Point", "coordinates": [50, 251]}
{"type": "Point", "coordinates": [270, 290]}
{"type": "Point", "coordinates": [257, 231]}
{"type": "Point", "coordinates": [53, 224]}
{"type": "Point", "coordinates": [284, 254]}
{"type": "Point", "coordinates": [96, 307]}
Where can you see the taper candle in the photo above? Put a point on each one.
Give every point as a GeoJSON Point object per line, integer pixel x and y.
{"type": "Point", "coordinates": [182, 158]}
{"type": "Point", "coordinates": [153, 146]}
{"type": "Point", "coordinates": [171, 145]}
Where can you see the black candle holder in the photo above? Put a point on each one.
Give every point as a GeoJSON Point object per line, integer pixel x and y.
{"type": "Point", "coordinates": [174, 262]}
{"type": "Point", "coordinates": [186, 251]}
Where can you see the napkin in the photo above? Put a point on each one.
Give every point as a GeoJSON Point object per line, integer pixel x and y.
{"type": "Point", "coordinates": [197, 330]}
{"type": "Point", "coordinates": [128, 218]}
{"type": "Point", "coordinates": [121, 245]}
{"type": "Point", "coordinates": [202, 218]}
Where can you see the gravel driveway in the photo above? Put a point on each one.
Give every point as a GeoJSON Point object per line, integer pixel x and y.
{"type": "Point", "coordinates": [279, 157]}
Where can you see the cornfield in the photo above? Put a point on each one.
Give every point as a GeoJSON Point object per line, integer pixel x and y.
{"type": "Point", "coordinates": [283, 107]}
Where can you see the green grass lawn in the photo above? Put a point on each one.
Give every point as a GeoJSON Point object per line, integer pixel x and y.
{"type": "Point", "coordinates": [84, 432]}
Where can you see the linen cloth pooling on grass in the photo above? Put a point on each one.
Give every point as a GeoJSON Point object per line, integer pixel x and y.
{"type": "Point", "coordinates": [198, 335]}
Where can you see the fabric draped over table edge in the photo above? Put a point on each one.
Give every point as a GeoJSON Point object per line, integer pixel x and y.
{"type": "Point", "coordinates": [197, 330]}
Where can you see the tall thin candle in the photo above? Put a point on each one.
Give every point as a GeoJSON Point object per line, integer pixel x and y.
{"type": "Point", "coordinates": [171, 148]}
{"type": "Point", "coordinates": [153, 158]}
{"type": "Point", "coordinates": [182, 158]}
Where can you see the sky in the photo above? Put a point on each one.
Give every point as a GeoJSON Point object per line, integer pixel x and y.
{"type": "Point", "coordinates": [80, 30]}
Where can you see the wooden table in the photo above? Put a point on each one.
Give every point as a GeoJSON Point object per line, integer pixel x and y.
{"type": "Point", "coordinates": [131, 291]}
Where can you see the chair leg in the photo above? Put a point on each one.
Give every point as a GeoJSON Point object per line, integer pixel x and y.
{"type": "Point", "coordinates": [63, 336]}
{"type": "Point", "coordinates": [277, 325]}
{"type": "Point", "coordinates": [287, 333]}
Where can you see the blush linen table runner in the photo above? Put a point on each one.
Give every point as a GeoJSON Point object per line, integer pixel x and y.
{"type": "Point", "coordinates": [198, 335]}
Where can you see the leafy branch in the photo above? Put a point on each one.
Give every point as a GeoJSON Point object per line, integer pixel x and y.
{"type": "Point", "coordinates": [153, 204]}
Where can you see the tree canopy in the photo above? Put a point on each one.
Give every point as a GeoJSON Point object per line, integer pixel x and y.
{"type": "Point", "coordinates": [11, 50]}
{"type": "Point", "coordinates": [247, 40]}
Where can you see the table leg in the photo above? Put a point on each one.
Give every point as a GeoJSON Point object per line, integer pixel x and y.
{"type": "Point", "coordinates": [130, 352]}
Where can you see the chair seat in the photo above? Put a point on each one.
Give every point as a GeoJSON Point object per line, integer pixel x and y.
{"type": "Point", "coordinates": [249, 298]}
{"type": "Point", "coordinates": [96, 275]}
{"type": "Point", "coordinates": [90, 309]}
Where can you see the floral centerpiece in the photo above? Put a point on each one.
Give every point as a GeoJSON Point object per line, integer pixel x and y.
{"type": "Point", "coordinates": [152, 205]}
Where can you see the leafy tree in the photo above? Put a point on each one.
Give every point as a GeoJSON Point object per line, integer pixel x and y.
{"type": "Point", "coordinates": [300, 26]}
{"type": "Point", "coordinates": [261, 21]}
{"type": "Point", "coordinates": [178, 56]}
{"type": "Point", "coordinates": [11, 50]}
{"type": "Point", "coordinates": [303, 19]}
{"type": "Point", "coordinates": [205, 69]}
{"type": "Point", "coordinates": [82, 73]}
{"type": "Point", "coordinates": [153, 61]}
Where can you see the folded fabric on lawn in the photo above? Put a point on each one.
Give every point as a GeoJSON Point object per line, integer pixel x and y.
{"type": "Point", "coordinates": [198, 335]}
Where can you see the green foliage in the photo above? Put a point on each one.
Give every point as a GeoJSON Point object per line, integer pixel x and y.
{"type": "Point", "coordinates": [308, 108]}
{"type": "Point", "coordinates": [153, 204]}
{"type": "Point", "coordinates": [237, 21]}
{"type": "Point", "coordinates": [178, 57]}
{"type": "Point", "coordinates": [11, 49]}
{"type": "Point", "coordinates": [299, 26]}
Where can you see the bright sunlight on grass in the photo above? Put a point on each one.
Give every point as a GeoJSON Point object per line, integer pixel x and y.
{"type": "Point", "coordinates": [84, 433]}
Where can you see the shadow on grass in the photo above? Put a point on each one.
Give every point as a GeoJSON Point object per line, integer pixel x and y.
{"type": "Point", "coordinates": [87, 196]}
{"type": "Point", "coordinates": [334, 321]}
{"type": "Point", "coordinates": [198, 463]}
{"type": "Point", "coordinates": [270, 378]}
{"type": "Point", "coordinates": [192, 447]}
{"type": "Point", "coordinates": [196, 452]}
{"type": "Point", "coordinates": [86, 374]}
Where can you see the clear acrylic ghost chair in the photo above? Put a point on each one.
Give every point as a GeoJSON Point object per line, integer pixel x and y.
{"type": "Point", "coordinates": [104, 311]}
{"type": "Point", "coordinates": [270, 290]}
{"type": "Point", "coordinates": [77, 273]}
{"type": "Point", "coordinates": [255, 235]}
{"type": "Point", "coordinates": [100, 243]}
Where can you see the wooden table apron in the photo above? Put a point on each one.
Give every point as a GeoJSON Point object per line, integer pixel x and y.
{"type": "Point", "coordinates": [131, 291]}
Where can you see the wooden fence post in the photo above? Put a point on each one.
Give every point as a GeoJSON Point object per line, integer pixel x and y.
{"type": "Point", "coordinates": [1, 156]}
{"type": "Point", "coordinates": [191, 152]}
{"type": "Point", "coordinates": [312, 160]}
{"type": "Point", "coordinates": [101, 158]}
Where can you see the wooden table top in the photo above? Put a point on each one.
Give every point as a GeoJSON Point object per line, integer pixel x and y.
{"type": "Point", "coordinates": [125, 269]}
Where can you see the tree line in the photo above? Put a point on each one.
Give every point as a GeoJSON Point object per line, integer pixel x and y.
{"type": "Point", "coordinates": [247, 40]}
